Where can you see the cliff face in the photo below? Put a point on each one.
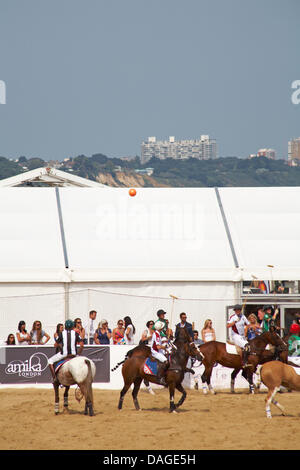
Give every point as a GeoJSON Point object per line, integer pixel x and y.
{"type": "Point", "coordinates": [128, 179]}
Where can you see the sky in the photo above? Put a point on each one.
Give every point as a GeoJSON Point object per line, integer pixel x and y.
{"type": "Point", "coordinates": [101, 76]}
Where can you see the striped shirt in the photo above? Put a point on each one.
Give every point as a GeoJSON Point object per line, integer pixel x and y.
{"type": "Point", "coordinates": [69, 339]}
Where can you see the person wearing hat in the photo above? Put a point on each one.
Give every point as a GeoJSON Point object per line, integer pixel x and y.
{"type": "Point", "coordinates": [158, 349]}
{"type": "Point", "coordinates": [294, 340]}
{"type": "Point", "coordinates": [269, 314]}
{"type": "Point", "coordinates": [67, 341]}
{"type": "Point", "coordinates": [237, 323]}
{"type": "Point", "coordinates": [161, 318]}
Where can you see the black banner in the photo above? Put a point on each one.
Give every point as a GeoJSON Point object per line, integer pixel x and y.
{"type": "Point", "coordinates": [29, 365]}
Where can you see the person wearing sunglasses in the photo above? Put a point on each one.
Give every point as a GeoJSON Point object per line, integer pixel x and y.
{"type": "Point", "coordinates": [103, 333]}
{"type": "Point", "coordinates": [79, 328]}
{"type": "Point", "coordinates": [118, 333]}
{"type": "Point", "coordinates": [147, 334]}
{"type": "Point", "coordinates": [38, 334]}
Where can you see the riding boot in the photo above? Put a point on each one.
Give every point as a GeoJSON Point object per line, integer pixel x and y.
{"type": "Point", "coordinates": [162, 372]}
{"type": "Point", "coordinates": [55, 380]}
{"type": "Point", "coordinates": [245, 355]}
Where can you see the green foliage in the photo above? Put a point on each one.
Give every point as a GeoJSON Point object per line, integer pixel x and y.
{"type": "Point", "coordinates": [222, 172]}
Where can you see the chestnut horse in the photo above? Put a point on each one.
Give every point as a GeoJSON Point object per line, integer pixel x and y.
{"type": "Point", "coordinates": [133, 369]}
{"type": "Point", "coordinates": [215, 352]}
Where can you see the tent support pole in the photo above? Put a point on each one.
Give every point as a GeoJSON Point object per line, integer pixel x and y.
{"type": "Point", "coordinates": [67, 300]}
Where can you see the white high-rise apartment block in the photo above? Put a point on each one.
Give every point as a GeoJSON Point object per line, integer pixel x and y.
{"type": "Point", "coordinates": [203, 148]}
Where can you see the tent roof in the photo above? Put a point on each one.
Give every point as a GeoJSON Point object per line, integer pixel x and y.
{"type": "Point", "coordinates": [161, 234]}
{"type": "Point", "coordinates": [51, 177]}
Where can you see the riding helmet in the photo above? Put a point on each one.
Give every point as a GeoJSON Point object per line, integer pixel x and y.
{"type": "Point", "coordinates": [69, 324]}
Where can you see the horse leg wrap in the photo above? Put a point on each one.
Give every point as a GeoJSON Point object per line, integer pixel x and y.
{"type": "Point", "coordinates": [90, 408]}
{"type": "Point", "coordinates": [56, 408]}
{"type": "Point", "coordinates": [172, 405]}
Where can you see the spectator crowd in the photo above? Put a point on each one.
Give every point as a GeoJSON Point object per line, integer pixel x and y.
{"type": "Point", "coordinates": [124, 332]}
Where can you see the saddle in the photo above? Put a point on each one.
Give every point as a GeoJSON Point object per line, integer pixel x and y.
{"type": "Point", "coordinates": [151, 366]}
{"type": "Point", "coordinates": [57, 365]}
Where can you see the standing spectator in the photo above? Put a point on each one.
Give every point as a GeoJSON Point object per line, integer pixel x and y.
{"type": "Point", "coordinates": [118, 333]}
{"type": "Point", "coordinates": [197, 366]}
{"type": "Point", "coordinates": [79, 328]}
{"type": "Point", "coordinates": [58, 331]}
{"type": "Point", "coordinates": [37, 334]}
{"type": "Point", "coordinates": [90, 328]}
{"type": "Point", "coordinates": [129, 330]}
{"type": "Point", "coordinates": [183, 323]}
{"type": "Point", "coordinates": [103, 333]}
{"type": "Point", "coordinates": [147, 334]}
{"type": "Point", "coordinates": [208, 332]}
{"type": "Point", "coordinates": [11, 341]}
{"type": "Point", "coordinates": [23, 337]}
{"type": "Point", "coordinates": [253, 329]}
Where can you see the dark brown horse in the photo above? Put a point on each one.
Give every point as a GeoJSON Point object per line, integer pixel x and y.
{"type": "Point", "coordinates": [215, 352]}
{"type": "Point", "coordinates": [133, 369]}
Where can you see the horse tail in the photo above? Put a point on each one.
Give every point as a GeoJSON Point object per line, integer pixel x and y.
{"type": "Point", "coordinates": [118, 365]}
{"type": "Point", "coordinates": [89, 381]}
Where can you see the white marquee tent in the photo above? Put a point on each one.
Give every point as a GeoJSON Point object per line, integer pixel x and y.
{"type": "Point", "coordinates": [67, 250]}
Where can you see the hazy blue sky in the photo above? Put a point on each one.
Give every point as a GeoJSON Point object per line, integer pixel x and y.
{"type": "Point", "coordinates": [99, 76]}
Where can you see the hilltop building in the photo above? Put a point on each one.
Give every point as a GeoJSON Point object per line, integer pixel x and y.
{"type": "Point", "coordinates": [203, 148]}
{"type": "Point", "coordinates": [294, 151]}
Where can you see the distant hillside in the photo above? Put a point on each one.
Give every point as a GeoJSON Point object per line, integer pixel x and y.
{"type": "Point", "coordinates": [222, 172]}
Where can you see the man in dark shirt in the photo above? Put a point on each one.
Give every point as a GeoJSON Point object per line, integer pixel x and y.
{"type": "Point", "coordinates": [183, 324]}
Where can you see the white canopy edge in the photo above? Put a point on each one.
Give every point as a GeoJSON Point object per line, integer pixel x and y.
{"type": "Point", "coordinates": [50, 176]}
{"type": "Point", "coordinates": [139, 275]}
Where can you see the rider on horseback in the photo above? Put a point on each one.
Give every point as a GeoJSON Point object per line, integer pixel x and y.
{"type": "Point", "coordinates": [158, 351]}
{"type": "Point", "coordinates": [237, 323]}
{"type": "Point", "coordinates": [67, 341]}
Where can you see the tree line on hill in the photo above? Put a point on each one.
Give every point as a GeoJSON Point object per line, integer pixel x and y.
{"type": "Point", "coordinates": [221, 172]}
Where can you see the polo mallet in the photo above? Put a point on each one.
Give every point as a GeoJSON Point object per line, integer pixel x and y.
{"type": "Point", "coordinates": [254, 278]}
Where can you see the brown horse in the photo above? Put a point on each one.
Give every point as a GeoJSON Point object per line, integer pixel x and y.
{"type": "Point", "coordinates": [215, 352]}
{"type": "Point", "coordinates": [133, 369]}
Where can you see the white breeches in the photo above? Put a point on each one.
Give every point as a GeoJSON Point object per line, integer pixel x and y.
{"type": "Point", "coordinates": [158, 355]}
{"type": "Point", "coordinates": [238, 340]}
{"type": "Point", "coordinates": [57, 357]}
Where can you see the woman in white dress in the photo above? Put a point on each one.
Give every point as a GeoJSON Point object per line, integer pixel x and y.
{"type": "Point", "coordinates": [208, 332]}
{"type": "Point", "coordinates": [129, 331]}
{"type": "Point", "coordinates": [23, 337]}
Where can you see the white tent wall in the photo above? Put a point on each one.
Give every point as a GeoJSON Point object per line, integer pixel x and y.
{"type": "Point", "coordinates": [30, 302]}
{"type": "Point", "coordinates": [53, 303]}
{"type": "Point", "coordinates": [140, 301]}
{"type": "Point", "coordinates": [265, 229]}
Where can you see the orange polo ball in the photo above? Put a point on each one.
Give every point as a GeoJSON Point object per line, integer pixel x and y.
{"type": "Point", "coordinates": [132, 192]}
